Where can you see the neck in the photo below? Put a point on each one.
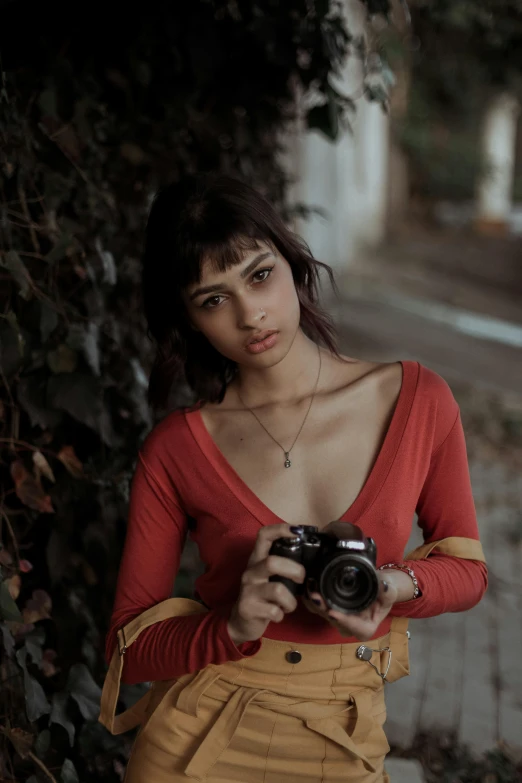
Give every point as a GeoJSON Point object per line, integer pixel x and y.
{"type": "Point", "coordinates": [290, 380]}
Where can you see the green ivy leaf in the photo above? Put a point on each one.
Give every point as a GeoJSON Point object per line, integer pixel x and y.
{"type": "Point", "coordinates": [12, 261]}
{"type": "Point", "coordinates": [34, 641]}
{"type": "Point", "coordinates": [8, 608]}
{"type": "Point", "coordinates": [48, 321]}
{"type": "Point", "coordinates": [8, 640]}
{"type": "Point", "coordinates": [83, 689]}
{"type": "Point", "coordinates": [32, 393]}
{"type": "Point", "coordinates": [86, 340]}
{"type": "Point", "coordinates": [59, 715]}
{"type": "Point", "coordinates": [11, 350]}
{"type": "Point", "coordinates": [47, 102]}
{"type": "Point", "coordinates": [60, 250]}
{"type": "Point", "coordinates": [62, 359]}
{"type": "Point", "coordinates": [42, 743]}
{"type": "Point", "coordinates": [81, 395]}
{"type": "Point", "coordinates": [35, 699]}
{"type": "Point", "coordinates": [68, 773]}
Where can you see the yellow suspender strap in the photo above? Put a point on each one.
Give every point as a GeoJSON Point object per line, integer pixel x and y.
{"type": "Point", "coordinates": [116, 724]}
{"type": "Point", "coordinates": [465, 548]}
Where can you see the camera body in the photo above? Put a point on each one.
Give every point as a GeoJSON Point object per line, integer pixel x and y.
{"type": "Point", "coordinates": [339, 563]}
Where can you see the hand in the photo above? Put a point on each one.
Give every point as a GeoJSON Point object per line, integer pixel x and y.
{"type": "Point", "coordinates": [262, 602]}
{"type": "Point", "coordinates": [362, 625]}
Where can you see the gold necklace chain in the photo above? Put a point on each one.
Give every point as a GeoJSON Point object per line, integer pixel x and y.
{"type": "Point", "coordinates": [288, 463]}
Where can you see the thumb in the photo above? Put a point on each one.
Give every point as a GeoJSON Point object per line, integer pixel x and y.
{"type": "Point", "coordinates": [388, 592]}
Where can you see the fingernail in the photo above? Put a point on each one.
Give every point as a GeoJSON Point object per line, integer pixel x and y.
{"type": "Point", "coordinates": [385, 586]}
{"type": "Point", "coordinates": [296, 529]}
{"type": "Point", "coordinates": [316, 601]}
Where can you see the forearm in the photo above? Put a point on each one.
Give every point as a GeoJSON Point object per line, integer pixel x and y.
{"type": "Point", "coordinates": [447, 584]}
{"type": "Point", "coordinates": [179, 646]}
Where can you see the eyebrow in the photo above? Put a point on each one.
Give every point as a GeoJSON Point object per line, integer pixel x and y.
{"type": "Point", "coordinates": [208, 289]}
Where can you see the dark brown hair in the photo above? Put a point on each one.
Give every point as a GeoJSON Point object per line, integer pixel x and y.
{"type": "Point", "coordinates": [215, 217]}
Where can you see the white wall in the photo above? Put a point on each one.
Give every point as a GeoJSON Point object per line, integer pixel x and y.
{"type": "Point", "coordinates": [495, 189]}
{"type": "Point", "coordinates": [347, 179]}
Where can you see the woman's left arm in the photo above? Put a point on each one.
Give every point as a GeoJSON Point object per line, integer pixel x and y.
{"type": "Point", "coordinates": [446, 509]}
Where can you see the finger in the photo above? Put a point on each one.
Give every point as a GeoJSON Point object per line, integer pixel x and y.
{"type": "Point", "coordinates": [265, 538]}
{"type": "Point", "coordinates": [317, 600]}
{"type": "Point", "coordinates": [278, 593]}
{"type": "Point", "coordinates": [388, 593]}
{"type": "Point", "coordinates": [274, 565]}
{"type": "Point", "coordinates": [313, 607]}
{"type": "Point", "coordinates": [353, 625]}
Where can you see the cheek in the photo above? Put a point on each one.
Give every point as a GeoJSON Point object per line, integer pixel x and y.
{"type": "Point", "coordinates": [218, 328]}
{"type": "Point", "coordinates": [285, 300]}
{"type": "Point", "coordinates": [214, 328]}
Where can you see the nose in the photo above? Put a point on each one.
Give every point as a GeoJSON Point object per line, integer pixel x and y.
{"type": "Point", "coordinates": [250, 316]}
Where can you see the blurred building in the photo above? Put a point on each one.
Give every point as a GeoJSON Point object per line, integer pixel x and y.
{"type": "Point", "coordinates": [346, 181]}
{"type": "Point", "coordinates": [358, 186]}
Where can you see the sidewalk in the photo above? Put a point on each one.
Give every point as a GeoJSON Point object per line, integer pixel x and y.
{"type": "Point", "coordinates": [466, 675]}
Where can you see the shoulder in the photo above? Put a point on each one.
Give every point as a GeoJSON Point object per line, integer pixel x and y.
{"type": "Point", "coordinates": [168, 440]}
{"type": "Point", "coordinates": [435, 392]}
{"type": "Point", "coordinates": [434, 387]}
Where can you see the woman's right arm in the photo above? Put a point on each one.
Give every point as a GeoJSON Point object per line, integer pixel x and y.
{"type": "Point", "coordinates": [156, 531]}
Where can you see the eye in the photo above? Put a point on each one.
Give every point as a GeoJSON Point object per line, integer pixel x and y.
{"type": "Point", "coordinates": [265, 274]}
{"type": "Point", "coordinates": [211, 302]}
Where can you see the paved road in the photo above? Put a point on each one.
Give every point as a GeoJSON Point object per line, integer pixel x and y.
{"type": "Point", "coordinates": [373, 328]}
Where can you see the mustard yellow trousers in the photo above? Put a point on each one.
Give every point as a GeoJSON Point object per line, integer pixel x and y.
{"type": "Point", "coordinates": [292, 714]}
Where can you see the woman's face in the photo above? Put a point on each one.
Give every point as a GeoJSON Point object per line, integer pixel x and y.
{"type": "Point", "coordinates": [251, 312]}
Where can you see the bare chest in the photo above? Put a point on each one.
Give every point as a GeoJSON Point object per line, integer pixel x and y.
{"type": "Point", "coordinates": [331, 460]}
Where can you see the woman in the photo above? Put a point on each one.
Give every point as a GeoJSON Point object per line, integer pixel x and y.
{"type": "Point", "coordinates": [253, 683]}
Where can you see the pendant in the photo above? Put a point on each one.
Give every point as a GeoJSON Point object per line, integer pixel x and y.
{"type": "Point", "coordinates": [288, 464]}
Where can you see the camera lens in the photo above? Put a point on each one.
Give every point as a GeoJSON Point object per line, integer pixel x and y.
{"type": "Point", "coordinates": [348, 579]}
{"type": "Point", "coordinates": [349, 584]}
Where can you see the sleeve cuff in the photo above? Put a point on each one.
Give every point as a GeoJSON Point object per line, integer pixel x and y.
{"type": "Point", "coordinates": [236, 652]}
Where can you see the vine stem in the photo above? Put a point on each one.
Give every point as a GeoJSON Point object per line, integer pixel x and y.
{"type": "Point", "coordinates": [27, 215]}
{"type": "Point", "coordinates": [42, 766]}
{"type": "Point", "coordinates": [12, 534]}
{"type": "Point", "coordinates": [28, 446]}
{"type": "Point", "coordinates": [32, 756]}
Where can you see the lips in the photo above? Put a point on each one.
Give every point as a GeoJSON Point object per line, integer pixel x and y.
{"type": "Point", "coordinates": [261, 336]}
{"type": "Point", "coordinates": [263, 341]}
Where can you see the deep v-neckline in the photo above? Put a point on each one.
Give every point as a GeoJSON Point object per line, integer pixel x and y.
{"type": "Point", "coordinates": [369, 491]}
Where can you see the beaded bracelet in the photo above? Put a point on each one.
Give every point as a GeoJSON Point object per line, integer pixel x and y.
{"type": "Point", "coordinates": [409, 571]}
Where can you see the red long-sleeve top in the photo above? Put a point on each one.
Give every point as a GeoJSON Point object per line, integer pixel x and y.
{"type": "Point", "coordinates": [184, 485]}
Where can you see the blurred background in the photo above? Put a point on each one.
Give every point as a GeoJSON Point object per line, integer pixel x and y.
{"type": "Point", "coordinates": [388, 134]}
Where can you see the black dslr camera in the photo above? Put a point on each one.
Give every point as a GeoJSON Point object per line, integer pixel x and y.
{"type": "Point", "coordinates": [339, 564]}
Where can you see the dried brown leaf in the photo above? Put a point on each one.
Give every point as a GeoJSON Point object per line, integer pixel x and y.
{"type": "Point", "coordinates": [42, 466]}
{"type": "Point", "coordinates": [38, 607]}
{"type": "Point", "coordinates": [29, 489]}
{"type": "Point", "coordinates": [14, 583]}
{"type": "Point", "coordinates": [22, 741]}
{"type": "Point", "coordinates": [68, 457]}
